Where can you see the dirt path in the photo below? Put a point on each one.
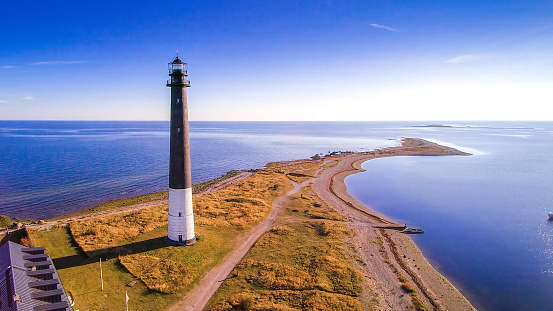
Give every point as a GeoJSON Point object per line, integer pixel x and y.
{"type": "Point", "coordinates": [198, 297]}
{"type": "Point", "coordinates": [381, 254]}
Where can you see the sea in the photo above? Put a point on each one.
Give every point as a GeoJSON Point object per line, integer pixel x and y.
{"type": "Point", "coordinates": [484, 215]}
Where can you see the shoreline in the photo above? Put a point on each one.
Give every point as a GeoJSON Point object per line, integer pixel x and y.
{"type": "Point", "coordinates": [399, 257]}
{"type": "Point", "coordinates": [389, 260]}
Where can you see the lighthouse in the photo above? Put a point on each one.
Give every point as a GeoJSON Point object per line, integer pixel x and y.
{"type": "Point", "coordinates": [181, 215]}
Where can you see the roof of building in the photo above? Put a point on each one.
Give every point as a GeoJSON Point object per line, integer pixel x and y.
{"type": "Point", "coordinates": [29, 281]}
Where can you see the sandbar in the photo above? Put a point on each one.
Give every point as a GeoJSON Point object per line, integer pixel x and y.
{"type": "Point", "coordinates": [382, 253]}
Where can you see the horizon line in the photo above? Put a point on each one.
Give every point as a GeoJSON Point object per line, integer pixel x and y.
{"type": "Point", "coordinates": [389, 120]}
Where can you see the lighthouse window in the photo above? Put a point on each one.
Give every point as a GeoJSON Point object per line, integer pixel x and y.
{"type": "Point", "coordinates": [180, 214]}
{"type": "Point", "coordinates": [178, 129]}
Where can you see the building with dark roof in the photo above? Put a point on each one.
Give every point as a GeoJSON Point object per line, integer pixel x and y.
{"type": "Point", "coordinates": [29, 281]}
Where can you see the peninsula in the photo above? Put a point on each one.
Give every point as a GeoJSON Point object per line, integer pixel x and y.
{"type": "Point", "coordinates": [287, 237]}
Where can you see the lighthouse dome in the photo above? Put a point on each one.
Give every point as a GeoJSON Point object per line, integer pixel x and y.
{"type": "Point", "coordinates": [177, 61]}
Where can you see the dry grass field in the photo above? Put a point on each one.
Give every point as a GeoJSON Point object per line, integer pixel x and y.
{"type": "Point", "coordinates": [160, 274]}
{"type": "Point", "coordinates": [132, 247]}
{"type": "Point", "coordinates": [240, 206]}
{"type": "Point", "coordinates": [300, 264]}
{"type": "Point", "coordinates": [306, 261]}
{"type": "Point", "coordinates": [103, 235]}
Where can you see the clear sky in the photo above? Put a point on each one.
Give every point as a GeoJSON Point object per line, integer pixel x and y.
{"type": "Point", "coordinates": [278, 60]}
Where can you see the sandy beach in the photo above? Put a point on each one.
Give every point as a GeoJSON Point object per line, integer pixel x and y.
{"type": "Point", "coordinates": [386, 254]}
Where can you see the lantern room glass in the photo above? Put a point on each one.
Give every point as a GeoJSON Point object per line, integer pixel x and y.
{"type": "Point", "coordinates": [178, 68]}
{"type": "Point", "coordinates": [175, 67]}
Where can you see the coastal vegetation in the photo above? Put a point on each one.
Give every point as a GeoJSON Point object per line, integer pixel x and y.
{"type": "Point", "coordinates": [148, 198]}
{"type": "Point", "coordinates": [136, 259]}
{"type": "Point", "coordinates": [300, 264]}
{"type": "Point", "coordinates": [5, 221]}
{"type": "Point", "coordinates": [122, 203]}
{"type": "Point", "coordinates": [310, 259]}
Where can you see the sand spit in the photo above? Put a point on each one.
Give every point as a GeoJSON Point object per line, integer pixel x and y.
{"type": "Point", "coordinates": [386, 256]}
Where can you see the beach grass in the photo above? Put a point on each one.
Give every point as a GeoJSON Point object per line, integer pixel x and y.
{"type": "Point", "coordinates": [240, 206]}
{"type": "Point", "coordinates": [305, 262]}
{"type": "Point", "coordinates": [5, 221]}
{"type": "Point", "coordinates": [120, 203]}
{"type": "Point", "coordinates": [146, 198]}
{"type": "Point", "coordinates": [300, 264]}
{"type": "Point", "coordinates": [134, 253]}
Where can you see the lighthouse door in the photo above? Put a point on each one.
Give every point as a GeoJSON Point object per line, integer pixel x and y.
{"type": "Point", "coordinates": [180, 238]}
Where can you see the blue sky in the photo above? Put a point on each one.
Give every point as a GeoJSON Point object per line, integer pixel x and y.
{"type": "Point", "coordinates": [278, 60]}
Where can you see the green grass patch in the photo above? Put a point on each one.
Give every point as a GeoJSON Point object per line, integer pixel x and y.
{"type": "Point", "coordinates": [81, 275]}
{"type": "Point", "coordinates": [5, 221]}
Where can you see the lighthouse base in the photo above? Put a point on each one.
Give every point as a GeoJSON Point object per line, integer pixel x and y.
{"type": "Point", "coordinates": [181, 243]}
{"type": "Point", "coordinates": [180, 222]}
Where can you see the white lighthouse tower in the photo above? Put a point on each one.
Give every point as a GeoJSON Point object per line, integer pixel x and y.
{"type": "Point", "coordinates": [181, 215]}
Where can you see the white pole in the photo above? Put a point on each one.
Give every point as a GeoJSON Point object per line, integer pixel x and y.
{"type": "Point", "coordinates": [127, 300]}
{"type": "Point", "coordinates": [101, 274]}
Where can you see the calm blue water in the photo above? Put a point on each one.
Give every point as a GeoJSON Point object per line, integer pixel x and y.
{"type": "Point", "coordinates": [51, 168]}
{"type": "Point", "coordinates": [484, 215]}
